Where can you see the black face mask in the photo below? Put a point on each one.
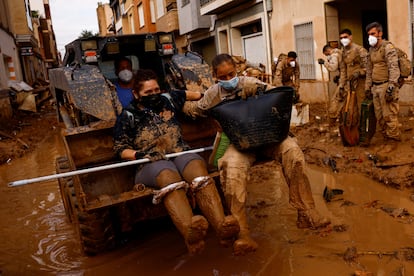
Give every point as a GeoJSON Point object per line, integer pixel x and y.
{"type": "Point", "coordinates": [153, 102]}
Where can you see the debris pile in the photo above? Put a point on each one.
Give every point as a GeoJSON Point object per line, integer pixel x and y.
{"type": "Point", "coordinates": [244, 68]}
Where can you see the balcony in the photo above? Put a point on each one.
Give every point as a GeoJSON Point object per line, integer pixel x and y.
{"type": "Point", "coordinates": [168, 22]}
{"type": "Point", "coordinates": [217, 6]}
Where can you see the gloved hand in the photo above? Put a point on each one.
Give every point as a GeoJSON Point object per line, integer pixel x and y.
{"type": "Point", "coordinates": [249, 88]}
{"type": "Point", "coordinates": [336, 79]}
{"type": "Point", "coordinates": [389, 94]}
{"type": "Point", "coordinates": [368, 95]}
{"type": "Point", "coordinates": [321, 61]}
{"type": "Point", "coordinates": [341, 94]}
{"type": "Point", "coordinates": [354, 76]}
{"type": "Point", "coordinates": [155, 156]}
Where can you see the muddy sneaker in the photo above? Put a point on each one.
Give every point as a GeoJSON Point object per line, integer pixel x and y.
{"type": "Point", "coordinates": [311, 219]}
{"type": "Point", "coordinates": [229, 229]}
{"type": "Point", "coordinates": [196, 233]}
{"type": "Point", "coordinates": [244, 245]}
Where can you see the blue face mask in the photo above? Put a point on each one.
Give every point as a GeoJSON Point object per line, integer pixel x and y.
{"type": "Point", "coordinates": [229, 84]}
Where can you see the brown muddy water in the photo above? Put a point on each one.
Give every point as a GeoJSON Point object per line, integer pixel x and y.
{"type": "Point", "coordinates": [37, 239]}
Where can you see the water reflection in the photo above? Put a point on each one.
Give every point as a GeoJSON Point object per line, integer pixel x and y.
{"type": "Point", "coordinates": [36, 237]}
{"type": "Point", "coordinates": [35, 234]}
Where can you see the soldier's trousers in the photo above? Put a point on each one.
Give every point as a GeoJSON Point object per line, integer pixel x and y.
{"type": "Point", "coordinates": [386, 112]}
{"type": "Point", "coordinates": [234, 173]}
{"type": "Point", "coordinates": [335, 105]}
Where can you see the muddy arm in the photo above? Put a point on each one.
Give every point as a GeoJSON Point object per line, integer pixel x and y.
{"type": "Point", "coordinates": [192, 95]}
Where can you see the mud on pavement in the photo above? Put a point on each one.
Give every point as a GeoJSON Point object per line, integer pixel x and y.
{"type": "Point", "coordinates": [371, 231]}
{"type": "Point", "coordinates": [23, 132]}
{"type": "Point", "coordinates": [390, 163]}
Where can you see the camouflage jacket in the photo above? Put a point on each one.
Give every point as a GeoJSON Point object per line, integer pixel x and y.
{"type": "Point", "coordinates": [215, 95]}
{"type": "Point", "coordinates": [287, 75]}
{"type": "Point", "coordinates": [354, 59]}
{"type": "Point", "coordinates": [382, 65]}
{"type": "Point", "coordinates": [148, 131]}
{"type": "Point", "coordinates": [332, 63]}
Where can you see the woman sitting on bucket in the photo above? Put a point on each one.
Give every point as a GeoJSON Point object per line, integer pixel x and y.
{"type": "Point", "coordinates": [148, 128]}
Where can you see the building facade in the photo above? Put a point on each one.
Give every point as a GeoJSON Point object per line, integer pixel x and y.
{"type": "Point", "coordinates": [105, 19]}
{"type": "Point", "coordinates": [167, 21]}
{"type": "Point", "coordinates": [27, 44]}
{"type": "Point", "coordinates": [241, 28]}
{"type": "Point", "coordinates": [197, 29]}
{"type": "Point", "coordinates": [146, 19]}
{"type": "Point", "coordinates": [127, 17]}
{"type": "Point", "coordinates": [261, 30]}
{"type": "Point", "coordinates": [306, 26]}
{"type": "Point", "coordinates": [9, 54]}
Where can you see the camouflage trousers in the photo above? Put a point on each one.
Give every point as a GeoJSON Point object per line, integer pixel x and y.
{"type": "Point", "coordinates": [335, 105]}
{"type": "Point", "coordinates": [234, 174]}
{"type": "Point", "coordinates": [386, 112]}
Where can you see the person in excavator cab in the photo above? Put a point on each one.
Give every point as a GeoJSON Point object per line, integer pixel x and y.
{"type": "Point", "coordinates": [234, 165]}
{"type": "Point", "coordinates": [148, 128]}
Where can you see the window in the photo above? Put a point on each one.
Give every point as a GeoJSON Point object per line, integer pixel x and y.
{"type": "Point", "coordinates": [160, 8]}
{"type": "Point", "coordinates": [184, 3]}
{"type": "Point", "coordinates": [152, 9]}
{"type": "Point", "coordinates": [141, 15]}
{"type": "Point", "coordinates": [122, 7]}
{"type": "Point", "coordinates": [304, 48]}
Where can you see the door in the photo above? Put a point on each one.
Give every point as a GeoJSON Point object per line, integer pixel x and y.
{"type": "Point", "coordinates": [254, 49]}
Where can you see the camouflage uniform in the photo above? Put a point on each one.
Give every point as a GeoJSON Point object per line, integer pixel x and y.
{"type": "Point", "coordinates": [354, 60]}
{"type": "Point", "coordinates": [287, 75]}
{"type": "Point", "coordinates": [235, 164]}
{"type": "Point", "coordinates": [382, 71]}
{"type": "Point", "coordinates": [332, 65]}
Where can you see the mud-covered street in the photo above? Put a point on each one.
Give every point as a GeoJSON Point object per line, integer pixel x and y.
{"type": "Point", "coordinates": [371, 229]}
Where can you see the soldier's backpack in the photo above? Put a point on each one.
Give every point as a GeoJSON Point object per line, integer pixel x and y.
{"type": "Point", "coordinates": [280, 58]}
{"type": "Point", "coordinates": [404, 63]}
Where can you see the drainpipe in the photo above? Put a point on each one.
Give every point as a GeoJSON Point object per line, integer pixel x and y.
{"type": "Point", "coordinates": [267, 36]}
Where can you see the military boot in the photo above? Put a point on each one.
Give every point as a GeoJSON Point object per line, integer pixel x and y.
{"type": "Point", "coordinates": [192, 228]}
{"type": "Point", "coordinates": [208, 199]}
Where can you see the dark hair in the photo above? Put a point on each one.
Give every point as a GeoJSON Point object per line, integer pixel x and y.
{"type": "Point", "coordinates": [219, 59]}
{"type": "Point", "coordinates": [326, 47]}
{"type": "Point", "coordinates": [292, 54]}
{"type": "Point", "coordinates": [143, 75]}
{"type": "Point", "coordinates": [376, 25]}
{"type": "Point", "coordinates": [345, 31]}
{"type": "Point", "coordinates": [119, 60]}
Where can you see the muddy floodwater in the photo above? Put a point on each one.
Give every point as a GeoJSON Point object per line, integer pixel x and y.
{"type": "Point", "coordinates": [371, 222]}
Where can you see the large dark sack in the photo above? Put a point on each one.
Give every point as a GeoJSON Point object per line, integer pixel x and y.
{"type": "Point", "coordinates": [259, 120]}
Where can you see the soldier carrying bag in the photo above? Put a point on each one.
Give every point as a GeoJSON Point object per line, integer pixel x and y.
{"type": "Point", "coordinates": [259, 120]}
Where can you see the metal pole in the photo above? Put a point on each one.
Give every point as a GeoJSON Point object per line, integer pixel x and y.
{"type": "Point", "coordinates": [100, 168]}
{"type": "Point", "coordinates": [267, 39]}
